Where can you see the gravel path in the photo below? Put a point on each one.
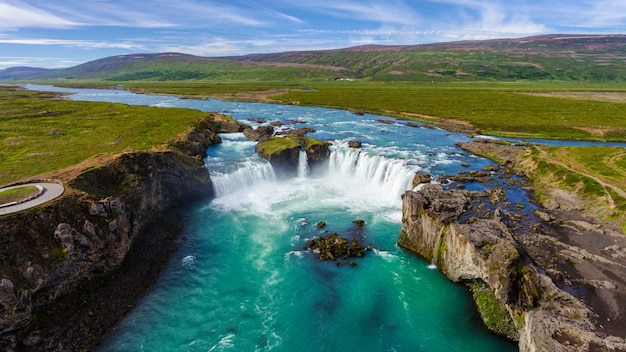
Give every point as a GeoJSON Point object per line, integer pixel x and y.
{"type": "Point", "coordinates": [51, 191]}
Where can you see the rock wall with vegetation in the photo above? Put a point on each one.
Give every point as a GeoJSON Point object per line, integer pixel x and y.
{"type": "Point", "coordinates": [284, 153]}
{"type": "Point", "coordinates": [71, 269]}
{"type": "Point", "coordinates": [515, 297]}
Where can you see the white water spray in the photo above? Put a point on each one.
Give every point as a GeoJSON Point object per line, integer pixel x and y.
{"type": "Point", "coordinates": [391, 176]}
{"type": "Point", "coordinates": [303, 164]}
{"type": "Point", "coordinates": [250, 173]}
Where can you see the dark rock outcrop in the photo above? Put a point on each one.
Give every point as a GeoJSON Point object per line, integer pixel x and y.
{"type": "Point", "coordinates": [333, 247]}
{"type": "Point", "coordinates": [300, 132]}
{"type": "Point", "coordinates": [259, 134]}
{"type": "Point", "coordinates": [484, 251]}
{"type": "Point", "coordinates": [71, 269]}
{"type": "Point", "coordinates": [204, 133]}
{"type": "Point", "coordinates": [317, 154]}
{"type": "Point", "coordinates": [354, 144]}
{"type": "Point", "coordinates": [420, 178]}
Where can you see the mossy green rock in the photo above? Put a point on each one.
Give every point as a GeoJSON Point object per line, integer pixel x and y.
{"type": "Point", "coordinates": [333, 247]}
{"type": "Point", "coordinates": [284, 153]}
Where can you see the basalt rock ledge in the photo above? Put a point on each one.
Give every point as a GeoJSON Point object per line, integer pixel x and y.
{"type": "Point", "coordinates": [71, 269]}
{"type": "Point", "coordinates": [484, 251]}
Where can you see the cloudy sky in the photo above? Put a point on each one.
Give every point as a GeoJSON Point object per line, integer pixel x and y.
{"type": "Point", "coordinates": [63, 33]}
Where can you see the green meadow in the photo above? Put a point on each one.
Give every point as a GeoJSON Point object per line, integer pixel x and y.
{"type": "Point", "coordinates": [41, 132]}
{"type": "Point", "coordinates": [499, 108]}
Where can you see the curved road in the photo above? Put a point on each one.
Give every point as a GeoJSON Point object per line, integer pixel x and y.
{"type": "Point", "coordinates": [51, 191]}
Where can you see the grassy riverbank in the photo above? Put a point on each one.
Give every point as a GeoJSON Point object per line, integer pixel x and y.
{"type": "Point", "coordinates": [41, 132]}
{"type": "Point", "coordinates": [596, 175]}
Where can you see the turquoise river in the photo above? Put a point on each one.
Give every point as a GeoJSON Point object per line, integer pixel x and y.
{"type": "Point", "coordinates": [242, 281]}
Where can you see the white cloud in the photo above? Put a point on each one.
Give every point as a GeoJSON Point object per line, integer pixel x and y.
{"type": "Point", "coordinates": [19, 15]}
{"type": "Point", "coordinates": [207, 14]}
{"type": "Point", "coordinates": [103, 13]}
{"type": "Point", "coordinates": [127, 13]}
{"type": "Point", "coordinates": [281, 15]}
{"type": "Point", "coordinates": [604, 14]}
{"type": "Point", "coordinates": [388, 12]}
{"type": "Point", "coordinates": [84, 44]}
{"type": "Point", "coordinates": [489, 19]}
{"type": "Point", "coordinates": [49, 62]}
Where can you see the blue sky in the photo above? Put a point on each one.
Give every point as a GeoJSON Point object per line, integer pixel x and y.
{"type": "Point", "coordinates": [63, 33]}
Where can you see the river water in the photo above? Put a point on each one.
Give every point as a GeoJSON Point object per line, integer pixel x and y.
{"type": "Point", "coordinates": [242, 281]}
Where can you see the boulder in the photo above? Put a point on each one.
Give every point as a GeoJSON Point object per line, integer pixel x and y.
{"type": "Point", "coordinates": [333, 247]}
{"type": "Point", "coordinates": [259, 134]}
{"type": "Point", "coordinates": [300, 132]}
{"type": "Point", "coordinates": [420, 178]}
{"type": "Point", "coordinates": [354, 144]}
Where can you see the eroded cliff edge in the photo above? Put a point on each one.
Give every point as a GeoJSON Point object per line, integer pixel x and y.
{"type": "Point", "coordinates": [556, 292]}
{"type": "Point", "coordinates": [71, 269]}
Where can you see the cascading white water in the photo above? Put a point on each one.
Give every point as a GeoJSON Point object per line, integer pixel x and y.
{"type": "Point", "coordinates": [303, 164]}
{"type": "Point", "coordinates": [390, 176]}
{"type": "Point", "coordinates": [250, 173]}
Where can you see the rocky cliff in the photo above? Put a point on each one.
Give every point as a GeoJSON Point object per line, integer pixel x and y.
{"type": "Point", "coordinates": [482, 250]}
{"type": "Point", "coordinates": [71, 269]}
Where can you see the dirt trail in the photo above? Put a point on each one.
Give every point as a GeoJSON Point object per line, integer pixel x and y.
{"type": "Point", "coordinates": [581, 170]}
{"type": "Point", "coordinates": [614, 165]}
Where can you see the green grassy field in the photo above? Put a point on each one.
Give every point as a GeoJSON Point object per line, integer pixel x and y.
{"type": "Point", "coordinates": [498, 110]}
{"type": "Point", "coordinates": [503, 108]}
{"type": "Point", "coordinates": [40, 133]}
{"type": "Point", "coordinates": [17, 194]}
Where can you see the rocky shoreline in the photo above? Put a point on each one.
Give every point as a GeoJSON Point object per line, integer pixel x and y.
{"type": "Point", "coordinates": [71, 269]}
{"type": "Point", "coordinates": [558, 275]}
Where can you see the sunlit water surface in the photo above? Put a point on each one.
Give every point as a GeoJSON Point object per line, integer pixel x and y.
{"type": "Point", "coordinates": [242, 281]}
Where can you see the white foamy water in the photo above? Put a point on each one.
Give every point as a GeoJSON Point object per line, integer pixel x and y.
{"type": "Point", "coordinates": [363, 173]}
{"type": "Point", "coordinates": [250, 173]}
{"type": "Point", "coordinates": [355, 179]}
{"type": "Point", "coordinates": [303, 164]}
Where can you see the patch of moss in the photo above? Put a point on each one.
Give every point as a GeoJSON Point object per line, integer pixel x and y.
{"type": "Point", "coordinates": [276, 144]}
{"type": "Point", "coordinates": [442, 248]}
{"type": "Point", "coordinates": [492, 311]}
{"type": "Point", "coordinates": [310, 142]}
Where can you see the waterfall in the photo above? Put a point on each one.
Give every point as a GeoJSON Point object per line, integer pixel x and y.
{"type": "Point", "coordinates": [392, 176]}
{"type": "Point", "coordinates": [248, 174]}
{"type": "Point", "coordinates": [303, 164]}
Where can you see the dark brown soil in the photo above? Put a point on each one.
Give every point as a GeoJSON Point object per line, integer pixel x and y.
{"type": "Point", "coordinates": [585, 258]}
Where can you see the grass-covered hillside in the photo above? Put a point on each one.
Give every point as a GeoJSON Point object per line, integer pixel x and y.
{"type": "Point", "coordinates": [593, 58]}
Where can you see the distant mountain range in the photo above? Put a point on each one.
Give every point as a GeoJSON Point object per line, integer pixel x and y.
{"type": "Point", "coordinates": [593, 58]}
